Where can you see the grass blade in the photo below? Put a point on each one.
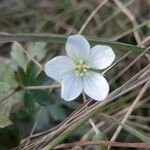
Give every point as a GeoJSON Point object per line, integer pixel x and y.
{"type": "Point", "coordinates": [61, 39]}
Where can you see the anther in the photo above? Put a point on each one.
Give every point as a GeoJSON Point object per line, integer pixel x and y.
{"type": "Point", "coordinates": [81, 74]}
{"type": "Point", "coordinates": [84, 70]}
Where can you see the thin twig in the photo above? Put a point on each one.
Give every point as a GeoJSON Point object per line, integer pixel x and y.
{"type": "Point", "coordinates": [34, 127]}
{"type": "Point", "coordinates": [132, 63]}
{"type": "Point", "coordinates": [124, 56]}
{"type": "Point", "coordinates": [117, 115]}
{"type": "Point", "coordinates": [62, 124]}
{"type": "Point", "coordinates": [42, 87]}
{"type": "Point", "coordinates": [91, 111]}
{"type": "Point", "coordinates": [131, 17]}
{"type": "Point", "coordinates": [10, 94]}
{"type": "Point", "coordinates": [90, 120]}
{"type": "Point", "coordinates": [117, 37]}
{"type": "Point", "coordinates": [142, 43]}
{"type": "Point", "coordinates": [104, 143]}
{"type": "Point", "coordinates": [36, 62]}
{"type": "Point", "coordinates": [145, 87]}
{"type": "Point", "coordinates": [92, 15]}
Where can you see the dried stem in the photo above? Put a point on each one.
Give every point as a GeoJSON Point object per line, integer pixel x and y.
{"type": "Point", "coordinates": [34, 127]}
{"type": "Point", "coordinates": [104, 143]}
{"type": "Point", "coordinates": [145, 87]}
{"type": "Point", "coordinates": [92, 15]}
{"type": "Point", "coordinates": [90, 120]}
{"type": "Point", "coordinates": [131, 17]}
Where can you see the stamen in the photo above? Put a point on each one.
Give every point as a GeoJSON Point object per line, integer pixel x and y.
{"type": "Point", "coordinates": [84, 70]}
{"type": "Point", "coordinates": [81, 74]}
{"type": "Point", "coordinates": [81, 68]}
{"type": "Point", "coordinates": [78, 66]}
{"type": "Point", "coordinates": [84, 66]}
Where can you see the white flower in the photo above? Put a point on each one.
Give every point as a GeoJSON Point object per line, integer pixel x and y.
{"type": "Point", "coordinates": [76, 72]}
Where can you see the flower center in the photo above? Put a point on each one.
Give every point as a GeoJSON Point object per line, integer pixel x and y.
{"type": "Point", "coordinates": [81, 68]}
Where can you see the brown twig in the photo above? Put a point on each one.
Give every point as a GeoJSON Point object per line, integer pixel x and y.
{"type": "Point", "coordinates": [145, 87]}
{"type": "Point", "coordinates": [104, 143]}
{"type": "Point", "coordinates": [92, 15]}
{"type": "Point", "coordinates": [126, 68]}
{"type": "Point", "coordinates": [131, 17]}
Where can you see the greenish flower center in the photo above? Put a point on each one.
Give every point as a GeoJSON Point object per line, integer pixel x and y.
{"type": "Point", "coordinates": [81, 68]}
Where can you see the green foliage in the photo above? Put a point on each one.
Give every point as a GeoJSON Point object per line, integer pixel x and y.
{"type": "Point", "coordinates": [7, 81]}
{"type": "Point", "coordinates": [18, 56]}
{"type": "Point", "coordinates": [34, 77]}
{"type": "Point", "coordinates": [9, 137]}
{"type": "Point", "coordinates": [35, 50]}
{"type": "Point", "coordinates": [4, 121]}
{"type": "Point", "coordinates": [32, 16]}
{"type": "Point", "coordinates": [57, 112]}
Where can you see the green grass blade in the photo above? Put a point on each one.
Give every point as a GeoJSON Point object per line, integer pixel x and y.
{"type": "Point", "coordinates": [61, 39]}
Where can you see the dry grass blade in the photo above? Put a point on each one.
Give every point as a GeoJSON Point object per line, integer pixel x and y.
{"type": "Point", "coordinates": [126, 68]}
{"type": "Point", "coordinates": [34, 127]}
{"type": "Point", "coordinates": [42, 28]}
{"type": "Point", "coordinates": [86, 115]}
{"type": "Point", "coordinates": [77, 116]}
{"type": "Point", "coordinates": [141, 93]}
{"type": "Point", "coordinates": [92, 15]}
{"type": "Point", "coordinates": [117, 114]}
{"type": "Point", "coordinates": [131, 17]}
{"type": "Point", "coordinates": [105, 143]}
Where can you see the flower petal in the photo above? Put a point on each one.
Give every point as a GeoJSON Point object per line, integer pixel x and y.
{"type": "Point", "coordinates": [101, 57]}
{"type": "Point", "coordinates": [77, 47]}
{"type": "Point", "coordinates": [57, 67]}
{"type": "Point", "coordinates": [95, 86]}
{"type": "Point", "coordinates": [71, 87]}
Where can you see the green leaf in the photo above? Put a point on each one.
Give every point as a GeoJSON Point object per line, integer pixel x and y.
{"type": "Point", "coordinates": [57, 112]}
{"type": "Point", "coordinates": [37, 50]}
{"type": "Point", "coordinates": [32, 72]}
{"type": "Point", "coordinates": [34, 77]}
{"type": "Point", "coordinates": [4, 121]}
{"type": "Point", "coordinates": [21, 76]}
{"type": "Point", "coordinates": [61, 39]}
{"type": "Point", "coordinates": [18, 56]}
{"type": "Point", "coordinates": [43, 79]}
{"type": "Point", "coordinates": [7, 81]}
{"type": "Point", "coordinates": [9, 137]}
{"type": "Point", "coordinates": [29, 101]}
{"type": "Point", "coordinates": [43, 97]}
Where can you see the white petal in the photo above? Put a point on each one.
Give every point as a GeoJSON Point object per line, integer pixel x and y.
{"type": "Point", "coordinates": [71, 87]}
{"type": "Point", "coordinates": [77, 47]}
{"type": "Point", "coordinates": [95, 86]}
{"type": "Point", "coordinates": [101, 57]}
{"type": "Point", "coordinates": [57, 67]}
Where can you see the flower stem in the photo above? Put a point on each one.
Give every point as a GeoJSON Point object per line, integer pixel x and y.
{"type": "Point", "coordinates": [90, 120]}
